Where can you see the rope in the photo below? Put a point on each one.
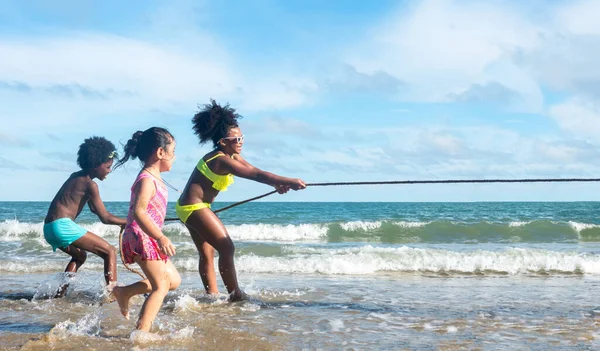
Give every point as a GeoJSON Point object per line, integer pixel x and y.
{"type": "Point", "coordinates": [121, 254]}
{"type": "Point", "coordinates": [449, 181]}
{"type": "Point", "coordinates": [444, 181]}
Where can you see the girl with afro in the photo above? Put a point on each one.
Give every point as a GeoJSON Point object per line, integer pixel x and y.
{"type": "Point", "coordinates": [214, 173]}
{"type": "Point", "coordinates": [95, 157]}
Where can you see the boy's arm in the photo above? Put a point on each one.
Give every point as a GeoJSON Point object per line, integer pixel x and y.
{"type": "Point", "coordinates": [97, 207]}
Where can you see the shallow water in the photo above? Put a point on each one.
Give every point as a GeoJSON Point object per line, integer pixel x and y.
{"type": "Point", "coordinates": [400, 311]}
{"type": "Point", "coordinates": [513, 276]}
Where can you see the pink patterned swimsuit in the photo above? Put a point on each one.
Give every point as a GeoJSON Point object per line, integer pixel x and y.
{"type": "Point", "coordinates": [135, 241]}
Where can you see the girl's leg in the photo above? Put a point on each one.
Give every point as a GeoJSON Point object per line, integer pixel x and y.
{"type": "Point", "coordinates": [173, 276]}
{"type": "Point", "coordinates": [124, 293]}
{"type": "Point", "coordinates": [206, 263]}
{"type": "Point", "coordinates": [95, 244]}
{"type": "Point", "coordinates": [157, 274]}
{"type": "Point", "coordinates": [206, 224]}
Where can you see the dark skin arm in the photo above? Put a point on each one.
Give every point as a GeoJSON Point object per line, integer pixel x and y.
{"type": "Point", "coordinates": [97, 206]}
{"type": "Point", "coordinates": [282, 189]}
{"type": "Point", "coordinates": [199, 188]}
{"type": "Point", "coordinates": [241, 168]}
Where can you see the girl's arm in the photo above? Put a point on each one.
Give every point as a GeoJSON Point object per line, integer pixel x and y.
{"type": "Point", "coordinates": [241, 168]}
{"type": "Point", "coordinates": [144, 190]}
{"type": "Point", "coordinates": [97, 206]}
{"type": "Point", "coordinates": [281, 188]}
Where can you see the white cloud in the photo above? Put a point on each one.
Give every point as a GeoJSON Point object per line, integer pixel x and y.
{"type": "Point", "coordinates": [580, 17]}
{"type": "Point", "coordinates": [439, 47]}
{"type": "Point", "coordinates": [105, 62]}
{"type": "Point", "coordinates": [579, 117]}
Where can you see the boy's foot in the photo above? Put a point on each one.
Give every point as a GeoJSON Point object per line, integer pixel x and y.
{"type": "Point", "coordinates": [62, 290]}
{"type": "Point", "coordinates": [238, 295]}
{"type": "Point", "coordinates": [122, 300]}
{"type": "Point", "coordinates": [108, 295]}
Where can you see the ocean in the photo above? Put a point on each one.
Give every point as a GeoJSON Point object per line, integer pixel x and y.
{"type": "Point", "coordinates": [343, 276]}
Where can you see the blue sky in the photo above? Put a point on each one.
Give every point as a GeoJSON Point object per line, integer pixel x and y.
{"type": "Point", "coordinates": [329, 90]}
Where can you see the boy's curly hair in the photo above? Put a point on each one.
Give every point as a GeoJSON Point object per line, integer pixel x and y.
{"type": "Point", "coordinates": [213, 121]}
{"type": "Point", "coordinates": [95, 151]}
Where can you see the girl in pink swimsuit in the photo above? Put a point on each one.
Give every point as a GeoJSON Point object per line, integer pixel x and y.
{"type": "Point", "coordinates": [143, 242]}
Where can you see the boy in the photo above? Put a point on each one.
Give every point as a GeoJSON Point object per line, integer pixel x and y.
{"type": "Point", "coordinates": [95, 157]}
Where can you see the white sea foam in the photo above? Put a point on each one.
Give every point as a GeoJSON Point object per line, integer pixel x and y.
{"type": "Point", "coordinates": [142, 337]}
{"type": "Point", "coordinates": [13, 230]}
{"type": "Point", "coordinates": [404, 224]}
{"type": "Point", "coordinates": [88, 325]}
{"type": "Point", "coordinates": [272, 232]}
{"type": "Point", "coordinates": [578, 227]}
{"type": "Point", "coordinates": [370, 260]}
{"type": "Point", "coordinates": [360, 225]}
{"type": "Point", "coordinates": [41, 265]}
{"type": "Point", "coordinates": [518, 224]}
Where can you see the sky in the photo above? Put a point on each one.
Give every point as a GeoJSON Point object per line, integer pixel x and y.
{"type": "Point", "coordinates": [329, 91]}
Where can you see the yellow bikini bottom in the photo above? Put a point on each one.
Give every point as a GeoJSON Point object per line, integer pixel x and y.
{"type": "Point", "coordinates": [184, 212]}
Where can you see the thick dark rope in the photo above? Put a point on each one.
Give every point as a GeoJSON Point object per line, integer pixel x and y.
{"type": "Point", "coordinates": [444, 181]}
{"type": "Point", "coordinates": [450, 181]}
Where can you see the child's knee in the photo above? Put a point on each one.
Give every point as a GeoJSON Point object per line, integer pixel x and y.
{"type": "Point", "coordinates": [81, 257]}
{"type": "Point", "coordinates": [109, 252]}
{"type": "Point", "coordinates": [161, 287]}
{"type": "Point", "coordinates": [112, 252]}
{"type": "Point", "coordinates": [207, 252]}
{"type": "Point", "coordinates": [226, 247]}
{"type": "Point", "coordinates": [175, 281]}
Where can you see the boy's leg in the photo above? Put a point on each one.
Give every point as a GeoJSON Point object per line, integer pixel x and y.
{"type": "Point", "coordinates": [96, 245]}
{"type": "Point", "coordinates": [78, 257]}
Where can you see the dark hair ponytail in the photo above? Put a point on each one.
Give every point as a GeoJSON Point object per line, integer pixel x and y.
{"type": "Point", "coordinates": [213, 121]}
{"type": "Point", "coordinates": [143, 144]}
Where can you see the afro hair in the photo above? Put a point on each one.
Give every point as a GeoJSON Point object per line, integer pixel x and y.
{"type": "Point", "coordinates": [213, 121]}
{"type": "Point", "coordinates": [94, 151]}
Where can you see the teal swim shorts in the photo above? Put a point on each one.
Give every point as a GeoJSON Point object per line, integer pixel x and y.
{"type": "Point", "coordinates": [62, 232]}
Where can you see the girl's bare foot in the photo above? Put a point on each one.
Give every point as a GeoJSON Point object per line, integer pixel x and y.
{"type": "Point", "coordinates": [122, 300]}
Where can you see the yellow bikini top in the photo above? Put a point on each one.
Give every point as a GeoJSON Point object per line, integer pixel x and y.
{"type": "Point", "coordinates": [220, 182]}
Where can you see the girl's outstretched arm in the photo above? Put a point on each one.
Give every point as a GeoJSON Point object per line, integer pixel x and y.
{"type": "Point", "coordinates": [97, 206]}
{"type": "Point", "coordinates": [241, 168]}
{"type": "Point", "coordinates": [144, 190]}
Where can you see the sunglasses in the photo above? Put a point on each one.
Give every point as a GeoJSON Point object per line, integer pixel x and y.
{"type": "Point", "coordinates": [112, 155]}
{"type": "Point", "coordinates": [238, 139]}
